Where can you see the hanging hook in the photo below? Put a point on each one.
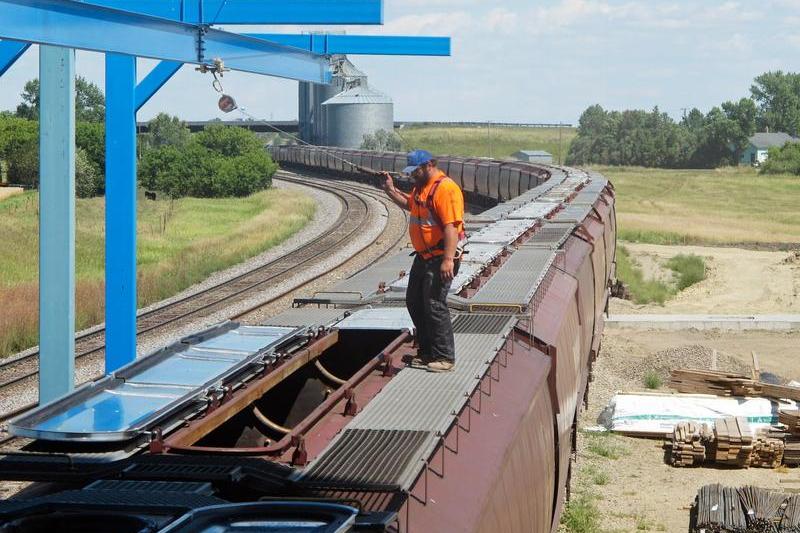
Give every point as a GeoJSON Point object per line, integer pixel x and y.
{"type": "Point", "coordinates": [217, 83]}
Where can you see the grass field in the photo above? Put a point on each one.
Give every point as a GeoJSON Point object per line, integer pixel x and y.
{"type": "Point", "coordinates": [493, 141]}
{"type": "Point", "coordinates": [179, 243]}
{"type": "Point", "coordinates": [723, 206]}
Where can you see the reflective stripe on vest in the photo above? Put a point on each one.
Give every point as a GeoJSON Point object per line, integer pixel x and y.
{"type": "Point", "coordinates": [422, 221]}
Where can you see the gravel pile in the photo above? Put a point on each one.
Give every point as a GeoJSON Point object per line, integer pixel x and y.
{"type": "Point", "coordinates": [618, 369]}
{"type": "Point", "coordinates": [688, 356]}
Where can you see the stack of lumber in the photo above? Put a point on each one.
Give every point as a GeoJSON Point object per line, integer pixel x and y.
{"type": "Point", "coordinates": [727, 384]}
{"type": "Point", "coordinates": [767, 450]}
{"type": "Point", "coordinates": [733, 441]}
{"type": "Point", "coordinates": [791, 451]}
{"type": "Point", "coordinates": [687, 443]}
{"type": "Point", "coordinates": [711, 382]}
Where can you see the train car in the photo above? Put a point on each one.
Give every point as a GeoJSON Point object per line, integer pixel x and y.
{"type": "Point", "coordinates": [314, 418]}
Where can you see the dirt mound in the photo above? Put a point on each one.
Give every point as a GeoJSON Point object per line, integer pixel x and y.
{"type": "Point", "coordinates": [686, 356]}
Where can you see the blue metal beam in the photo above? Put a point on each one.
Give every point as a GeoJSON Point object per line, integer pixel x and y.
{"type": "Point", "coordinates": [319, 44]}
{"type": "Point", "coordinates": [120, 211]}
{"type": "Point", "coordinates": [361, 44]}
{"type": "Point", "coordinates": [88, 27]}
{"type": "Point", "coordinates": [156, 79]}
{"type": "Point", "coordinates": [326, 12]}
{"type": "Point", "coordinates": [10, 51]}
{"type": "Point", "coordinates": [56, 222]}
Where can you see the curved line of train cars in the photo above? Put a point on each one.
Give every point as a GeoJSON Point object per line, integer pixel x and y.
{"type": "Point", "coordinates": [562, 337]}
{"type": "Point", "coordinates": [313, 418]}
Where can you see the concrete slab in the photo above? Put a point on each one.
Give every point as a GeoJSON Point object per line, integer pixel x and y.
{"type": "Point", "coordinates": [785, 322]}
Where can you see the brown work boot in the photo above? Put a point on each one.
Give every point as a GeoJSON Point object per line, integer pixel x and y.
{"type": "Point", "coordinates": [420, 361]}
{"type": "Point", "coordinates": [441, 365]}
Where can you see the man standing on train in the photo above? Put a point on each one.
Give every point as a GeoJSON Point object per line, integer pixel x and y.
{"type": "Point", "coordinates": [436, 228]}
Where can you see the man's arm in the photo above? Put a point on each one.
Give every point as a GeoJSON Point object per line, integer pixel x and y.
{"type": "Point", "coordinates": [450, 243]}
{"type": "Point", "coordinates": [398, 197]}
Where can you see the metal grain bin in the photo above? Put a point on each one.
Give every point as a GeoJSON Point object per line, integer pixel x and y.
{"type": "Point", "coordinates": [312, 120]}
{"type": "Point", "coordinates": [355, 113]}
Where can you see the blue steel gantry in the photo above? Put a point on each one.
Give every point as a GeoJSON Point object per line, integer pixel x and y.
{"type": "Point", "coordinates": [176, 32]}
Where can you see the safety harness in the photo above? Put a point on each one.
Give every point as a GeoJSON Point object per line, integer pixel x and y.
{"type": "Point", "coordinates": [434, 217]}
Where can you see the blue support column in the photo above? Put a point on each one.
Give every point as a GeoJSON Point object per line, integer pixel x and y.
{"type": "Point", "coordinates": [120, 210]}
{"type": "Point", "coordinates": [56, 222]}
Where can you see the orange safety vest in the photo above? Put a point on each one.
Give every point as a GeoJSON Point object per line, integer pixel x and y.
{"type": "Point", "coordinates": [425, 227]}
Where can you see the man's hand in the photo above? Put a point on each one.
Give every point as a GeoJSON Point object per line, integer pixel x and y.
{"type": "Point", "coordinates": [388, 182]}
{"type": "Point", "coordinates": [446, 271]}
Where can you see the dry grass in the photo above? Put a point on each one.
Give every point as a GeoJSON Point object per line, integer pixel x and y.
{"type": "Point", "coordinates": [723, 206]}
{"type": "Point", "coordinates": [487, 142]}
{"type": "Point", "coordinates": [179, 244]}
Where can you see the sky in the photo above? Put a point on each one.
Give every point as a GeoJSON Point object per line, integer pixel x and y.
{"type": "Point", "coordinates": [519, 60]}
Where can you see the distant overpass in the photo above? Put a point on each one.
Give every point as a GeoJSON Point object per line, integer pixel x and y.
{"type": "Point", "coordinates": [291, 126]}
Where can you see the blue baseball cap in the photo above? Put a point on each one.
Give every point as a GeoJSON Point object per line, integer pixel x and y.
{"type": "Point", "coordinates": [417, 158]}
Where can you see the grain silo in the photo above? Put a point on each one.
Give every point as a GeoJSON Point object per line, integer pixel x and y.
{"type": "Point", "coordinates": [312, 116]}
{"type": "Point", "coordinates": [357, 112]}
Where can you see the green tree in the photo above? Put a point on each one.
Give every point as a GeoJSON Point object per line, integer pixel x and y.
{"type": "Point", "coordinates": [218, 162]}
{"type": "Point", "coordinates": [230, 141]}
{"type": "Point", "coordinates": [19, 147]}
{"type": "Point", "coordinates": [90, 104]}
{"type": "Point", "coordinates": [88, 180]}
{"type": "Point", "coordinates": [778, 97]}
{"type": "Point", "coordinates": [382, 141]}
{"type": "Point", "coordinates": [165, 130]}
{"type": "Point", "coordinates": [91, 137]}
{"type": "Point", "coordinates": [783, 160]}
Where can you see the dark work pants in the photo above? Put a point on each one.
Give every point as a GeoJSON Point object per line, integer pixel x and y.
{"type": "Point", "coordinates": [426, 300]}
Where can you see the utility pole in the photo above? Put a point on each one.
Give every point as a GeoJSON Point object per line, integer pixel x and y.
{"type": "Point", "coordinates": [559, 142]}
{"type": "Point", "coordinates": [489, 135]}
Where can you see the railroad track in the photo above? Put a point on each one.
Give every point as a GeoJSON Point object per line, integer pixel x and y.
{"type": "Point", "coordinates": [352, 221]}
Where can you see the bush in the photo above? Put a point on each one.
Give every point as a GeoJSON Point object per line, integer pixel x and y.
{"type": "Point", "coordinates": [690, 269]}
{"type": "Point", "coordinates": [783, 160]}
{"type": "Point", "coordinates": [19, 147]}
{"type": "Point", "coordinates": [219, 162]}
{"type": "Point", "coordinates": [91, 137]}
{"type": "Point", "coordinates": [229, 141]}
{"type": "Point", "coordinates": [88, 180]}
{"type": "Point", "coordinates": [382, 141]}
{"type": "Point", "coordinates": [165, 130]}
{"type": "Point", "coordinates": [652, 380]}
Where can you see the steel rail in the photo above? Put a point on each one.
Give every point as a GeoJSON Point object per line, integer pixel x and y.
{"type": "Point", "coordinates": [155, 318]}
